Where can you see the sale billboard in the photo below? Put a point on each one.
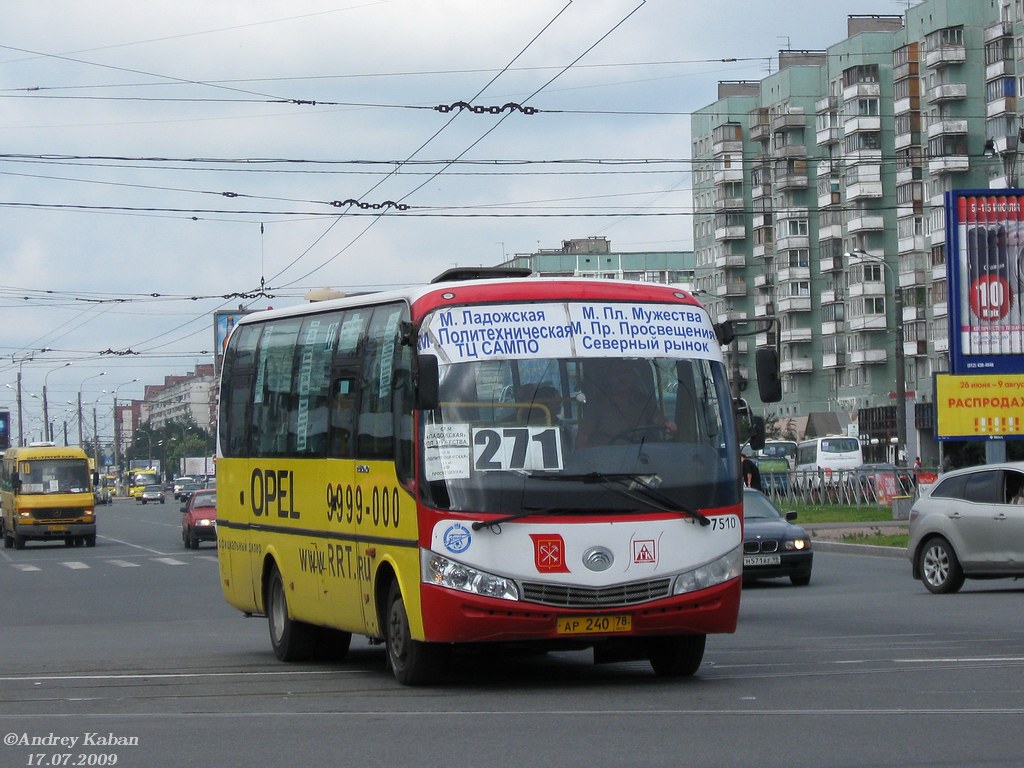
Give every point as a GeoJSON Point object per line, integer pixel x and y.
{"type": "Point", "coordinates": [985, 278]}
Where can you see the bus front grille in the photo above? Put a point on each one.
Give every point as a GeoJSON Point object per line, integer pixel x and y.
{"type": "Point", "coordinates": [600, 597]}
{"type": "Point", "coordinates": [57, 513]}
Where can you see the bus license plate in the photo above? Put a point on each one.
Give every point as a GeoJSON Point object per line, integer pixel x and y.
{"type": "Point", "coordinates": [593, 625]}
{"type": "Point", "coordinates": [753, 560]}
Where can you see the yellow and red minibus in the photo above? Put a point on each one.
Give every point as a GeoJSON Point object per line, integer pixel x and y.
{"type": "Point", "coordinates": [427, 468]}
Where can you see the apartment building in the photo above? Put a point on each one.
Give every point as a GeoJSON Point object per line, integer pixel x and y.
{"type": "Point", "coordinates": [818, 195]}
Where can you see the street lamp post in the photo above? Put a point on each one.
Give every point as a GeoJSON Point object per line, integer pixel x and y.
{"type": "Point", "coordinates": [81, 431]}
{"type": "Point", "coordinates": [21, 364]}
{"type": "Point", "coordinates": [46, 411]}
{"type": "Point", "coordinates": [117, 425]}
{"type": "Point", "coordinates": [901, 372]}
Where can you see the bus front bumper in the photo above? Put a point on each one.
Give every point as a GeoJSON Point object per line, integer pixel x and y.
{"type": "Point", "coordinates": [451, 616]}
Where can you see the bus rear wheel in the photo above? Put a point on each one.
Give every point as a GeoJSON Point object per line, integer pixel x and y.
{"type": "Point", "coordinates": [412, 662]}
{"type": "Point", "coordinates": [676, 655]}
{"type": "Point", "coordinates": [292, 640]}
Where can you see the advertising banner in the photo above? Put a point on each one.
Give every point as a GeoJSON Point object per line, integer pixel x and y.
{"type": "Point", "coordinates": [985, 278]}
{"type": "Point", "coordinates": [979, 407]}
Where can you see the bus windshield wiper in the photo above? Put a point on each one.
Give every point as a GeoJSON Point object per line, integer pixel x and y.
{"type": "Point", "coordinates": [531, 511]}
{"type": "Point", "coordinates": [633, 486]}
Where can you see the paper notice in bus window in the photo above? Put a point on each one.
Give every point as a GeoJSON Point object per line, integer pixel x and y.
{"type": "Point", "coordinates": [446, 451]}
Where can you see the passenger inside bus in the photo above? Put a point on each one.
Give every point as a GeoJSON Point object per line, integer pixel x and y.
{"type": "Point", "coordinates": [538, 404]}
{"type": "Point", "coordinates": [621, 406]}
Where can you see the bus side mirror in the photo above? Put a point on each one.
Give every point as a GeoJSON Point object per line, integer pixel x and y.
{"type": "Point", "coordinates": [769, 381]}
{"type": "Point", "coordinates": [96, 479]}
{"type": "Point", "coordinates": [427, 382]}
{"type": "Point", "coordinates": [15, 482]}
{"type": "Point", "coordinates": [757, 433]}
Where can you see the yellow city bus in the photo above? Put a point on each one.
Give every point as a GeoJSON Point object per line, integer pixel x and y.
{"type": "Point", "coordinates": [47, 494]}
{"type": "Point", "coordinates": [388, 466]}
{"type": "Point", "coordinates": [140, 478]}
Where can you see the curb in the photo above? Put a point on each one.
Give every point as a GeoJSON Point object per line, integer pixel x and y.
{"type": "Point", "coordinates": [825, 545]}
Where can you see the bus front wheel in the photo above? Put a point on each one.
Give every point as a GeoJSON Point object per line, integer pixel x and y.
{"type": "Point", "coordinates": [412, 662]}
{"type": "Point", "coordinates": [292, 640]}
{"type": "Point", "coordinates": [676, 655]}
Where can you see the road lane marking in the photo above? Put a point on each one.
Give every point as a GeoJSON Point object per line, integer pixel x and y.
{"type": "Point", "coordinates": [123, 564]}
{"type": "Point", "coordinates": [25, 567]}
{"type": "Point", "coordinates": [170, 561]}
{"type": "Point", "coordinates": [74, 565]}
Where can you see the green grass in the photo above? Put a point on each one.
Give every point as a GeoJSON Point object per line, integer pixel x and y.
{"type": "Point", "coordinates": [898, 540]}
{"type": "Point", "coordinates": [809, 514]}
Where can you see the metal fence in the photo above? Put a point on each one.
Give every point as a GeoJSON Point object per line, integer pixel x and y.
{"type": "Point", "coordinates": [857, 487]}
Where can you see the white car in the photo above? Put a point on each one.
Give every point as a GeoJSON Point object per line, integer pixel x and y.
{"type": "Point", "coordinates": [179, 482]}
{"type": "Point", "coordinates": [970, 526]}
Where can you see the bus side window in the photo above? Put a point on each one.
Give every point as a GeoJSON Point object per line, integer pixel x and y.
{"type": "Point", "coordinates": [375, 432]}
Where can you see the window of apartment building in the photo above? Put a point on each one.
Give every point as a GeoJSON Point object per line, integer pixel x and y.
{"type": "Point", "coordinates": [791, 228]}
{"type": "Point", "coordinates": [1020, 47]}
{"type": "Point", "coordinates": [938, 255]}
{"type": "Point", "coordinates": [1000, 88]}
{"type": "Point", "coordinates": [827, 120]}
{"type": "Point", "coordinates": [909, 226]}
{"type": "Point", "coordinates": [862, 140]}
{"type": "Point", "coordinates": [908, 122]}
{"type": "Point", "coordinates": [901, 56]}
{"type": "Point", "coordinates": [905, 88]}
{"type": "Point", "coordinates": [764, 235]}
{"type": "Point", "coordinates": [833, 313]}
{"type": "Point", "coordinates": [999, 50]}
{"type": "Point", "coordinates": [796, 257]}
{"type": "Point", "coordinates": [864, 107]}
{"type": "Point", "coordinates": [948, 145]}
{"type": "Point", "coordinates": [798, 288]}
{"type": "Point", "coordinates": [911, 192]}
{"type": "Point", "coordinates": [944, 38]}
{"type": "Point", "coordinates": [937, 292]}
{"type": "Point", "coordinates": [862, 73]}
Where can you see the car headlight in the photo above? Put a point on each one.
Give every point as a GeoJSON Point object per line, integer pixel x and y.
{"type": "Point", "coordinates": [440, 570]}
{"type": "Point", "coordinates": [727, 567]}
{"type": "Point", "coordinates": [797, 544]}
{"type": "Point", "coordinates": [204, 521]}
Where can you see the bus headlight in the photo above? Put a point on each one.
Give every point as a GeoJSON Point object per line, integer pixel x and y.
{"type": "Point", "coordinates": [439, 570]}
{"type": "Point", "coordinates": [727, 567]}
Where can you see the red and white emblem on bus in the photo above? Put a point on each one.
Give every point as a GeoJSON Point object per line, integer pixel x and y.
{"type": "Point", "coordinates": [549, 553]}
{"type": "Point", "coordinates": [644, 551]}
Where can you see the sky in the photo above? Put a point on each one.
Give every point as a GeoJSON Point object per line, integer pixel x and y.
{"type": "Point", "coordinates": [160, 161]}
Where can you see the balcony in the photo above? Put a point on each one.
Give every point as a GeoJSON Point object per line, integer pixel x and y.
{"type": "Point", "coordinates": [949, 164]}
{"type": "Point", "coordinates": [766, 309]}
{"type": "Point", "coordinates": [999, 69]}
{"type": "Point", "coordinates": [795, 335]}
{"type": "Point", "coordinates": [793, 118]}
{"type": "Point", "coordinates": [763, 281]}
{"type": "Point", "coordinates": [791, 180]}
{"type": "Point", "coordinates": [731, 261]}
{"type": "Point", "coordinates": [1004, 106]}
{"type": "Point", "coordinates": [834, 360]}
{"type": "Point", "coordinates": [763, 250]}
{"type": "Point", "coordinates": [827, 136]}
{"type": "Point", "coordinates": [867, 289]}
{"type": "Point", "coordinates": [800, 365]}
{"type": "Point", "coordinates": [792, 242]}
{"type": "Point", "coordinates": [915, 347]}
{"type": "Point", "coordinates": [872, 123]}
{"type": "Point", "coordinates": [788, 274]}
{"type": "Point", "coordinates": [998, 30]}
{"type": "Point", "coordinates": [862, 91]}
{"type": "Point", "coordinates": [868, 188]}
{"type": "Point", "coordinates": [947, 126]}
{"type": "Point", "coordinates": [867, 222]}
{"type": "Point", "coordinates": [945, 55]}
{"type": "Point", "coordinates": [910, 244]}
{"type": "Point", "coordinates": [947, 92]}
{"type": "Point", "coordinates": [730, 232]}
{"type": "Point", "coordinates": [728, 175]}
{"type": "Point", "coordinates": [795, 304]}
{"type": "Point", "coordinates": [724, 203]}
{"type": "Point", "coordinates": [732, 288]}
{"type": "Point", "coordinates": [868, 356]}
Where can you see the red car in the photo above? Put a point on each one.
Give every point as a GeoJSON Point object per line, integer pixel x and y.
{"type": "Point", "coordinates": [199, 518]}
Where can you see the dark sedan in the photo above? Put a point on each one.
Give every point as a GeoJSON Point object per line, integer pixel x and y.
{"type": "Point", "coordinates": [772, 546]}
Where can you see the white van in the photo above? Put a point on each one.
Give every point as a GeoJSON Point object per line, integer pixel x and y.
{"type": "Point", "coordinates": [827, 459]}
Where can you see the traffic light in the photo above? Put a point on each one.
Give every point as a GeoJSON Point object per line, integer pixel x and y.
{"type": "Point", "coordinates": [5, 430]}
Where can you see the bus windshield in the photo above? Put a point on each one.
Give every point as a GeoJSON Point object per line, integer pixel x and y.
{"type": "Point", "coordinates": [41, 476]}
{"type": "Point", "coordinates": [580, 435]}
